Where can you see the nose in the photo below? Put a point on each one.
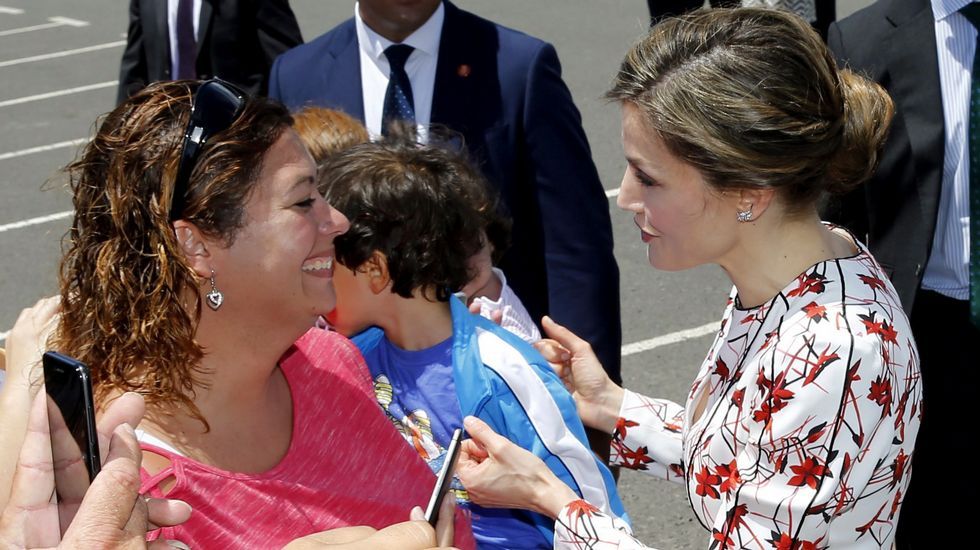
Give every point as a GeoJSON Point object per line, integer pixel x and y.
{"type": "Point", "coordinates": [628, 199]}
{"type": "Point", "coordinates": [332, 221]}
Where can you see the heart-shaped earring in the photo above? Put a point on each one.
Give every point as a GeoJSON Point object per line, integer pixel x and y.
{"type": "Point", "coordinates": [214, 298]}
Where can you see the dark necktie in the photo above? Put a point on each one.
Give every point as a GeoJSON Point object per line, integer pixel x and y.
{"type": "Point", "coordinates": [399, 103]}
{"type": "Point", "coordinates": [972, 12]}
{"type": "Point", "coordinates": [186, 42]}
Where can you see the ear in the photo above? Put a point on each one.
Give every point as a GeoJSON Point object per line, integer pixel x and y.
{"type": "Point", "coordinates": [194, 246]}
{"type": "Point", "coordinates": [756, 200]}
{"type": "Point", "coordinates": [376, 269]}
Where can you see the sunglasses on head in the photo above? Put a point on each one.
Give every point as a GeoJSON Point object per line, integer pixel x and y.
{"type": "Point", "coordinates": [217, 105]}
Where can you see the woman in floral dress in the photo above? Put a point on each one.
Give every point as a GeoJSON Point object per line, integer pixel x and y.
{"type": "Point", "coordinates": [799, 428]}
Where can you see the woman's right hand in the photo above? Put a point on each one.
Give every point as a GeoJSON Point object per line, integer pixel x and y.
{"type": "Point", "coordinates": [597, 397]}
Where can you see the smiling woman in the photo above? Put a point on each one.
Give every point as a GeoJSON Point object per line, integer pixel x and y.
{"type": "Point", "coordinates": [193, 194]}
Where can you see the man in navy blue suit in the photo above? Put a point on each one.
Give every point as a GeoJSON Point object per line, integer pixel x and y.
{"type": "Point", "coordinates": [502, 91]}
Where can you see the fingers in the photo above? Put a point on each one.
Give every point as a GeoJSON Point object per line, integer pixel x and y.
{"type": "Point", "coordinates": [408, 535]}
{"type": "Point", "coordinates": [30, 509]}
{"type": "Point", "coordinates": [484, 436]}
{"type": "Point", "coordinates": [166, 512]}
{"type": "Point", "coordinates": [474, 308]}
{"type": "Point", "coordinates": [128, 408]}
{"type": "Point", "coordinates": [552, 351]}
{"type": "Point", "coordinates": [446, 522]}
{"type": "Point", "coordinates": [112, 509]}
{"type": "Point", "coordinates": [416, 514]}
{"type": "Point", "coordinates": [472, 451]}
{"type": "Point", "coordinates": [565, 337]}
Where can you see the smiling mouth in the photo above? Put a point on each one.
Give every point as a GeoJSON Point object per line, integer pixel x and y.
{"type": "Point", "coordinates": [643, 232]}
{"type": "Point", "coordinates": [318, 264]}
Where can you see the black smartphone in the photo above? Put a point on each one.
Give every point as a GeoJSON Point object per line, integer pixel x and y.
{"type": "Point", "coordinates": [445, 478]}
{"type": "Point", "coordinates": [71, 419]}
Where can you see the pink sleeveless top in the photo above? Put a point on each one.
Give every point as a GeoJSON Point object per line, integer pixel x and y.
{"type": "Point", "coordinates": [346, 464]}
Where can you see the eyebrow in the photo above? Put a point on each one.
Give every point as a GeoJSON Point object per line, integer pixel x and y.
{"type": "Point", "coordinates": [302, 181]}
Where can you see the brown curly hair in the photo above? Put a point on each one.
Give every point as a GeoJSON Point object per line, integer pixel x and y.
{"type": "Point", "coordinates": [424, 207]}
{"type": "Point", "coordinates": [130, 300]}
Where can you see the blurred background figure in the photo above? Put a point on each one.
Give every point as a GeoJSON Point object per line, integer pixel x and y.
{"type": "Point", "coordinates": [236, 40]}
{"type": "Point", "coordinates": [819, 13]}
{"type": "Point", "coordinates": [920, 215]}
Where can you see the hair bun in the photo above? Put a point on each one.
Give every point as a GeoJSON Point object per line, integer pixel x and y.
{"type": "Point", "coordinates": [868, 113]}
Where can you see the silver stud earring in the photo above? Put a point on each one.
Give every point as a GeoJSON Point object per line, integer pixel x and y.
{"type": "Point", "coordinates": [744, 215]}
{"type": "Point", "coordinates": [215, 297]}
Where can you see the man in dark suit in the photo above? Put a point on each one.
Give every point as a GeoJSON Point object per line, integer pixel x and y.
{"type": "Point", "coordinates": [236, 40]}
{"type": "Point", "coordinates": [502, 91]}
{"type": "Point", "coordinates": [911, 213]}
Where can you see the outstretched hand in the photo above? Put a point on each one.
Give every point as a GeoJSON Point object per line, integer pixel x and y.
{"type": "Point", "coordinates": [112, 513]}
{"type": "Point", "coordinates": [597, 397]}
{"type": "Point", "coordinates": [499, 474]}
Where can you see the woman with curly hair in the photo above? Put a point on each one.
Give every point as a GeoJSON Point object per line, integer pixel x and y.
{"type": "Point", "coordinates": [199, 257]}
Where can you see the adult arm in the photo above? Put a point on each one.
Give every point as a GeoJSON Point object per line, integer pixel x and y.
{"type": "Point", "coordinates": [111, 515]}
{"type": "Point", "coordinates": [498, 473]}
{"type": "Point", "coordinates": [133, 68]}
{"type": "Point", "coordinates": [582, 274]}
{"type": "Point", "coordinates": [25, 344]}
{"type": "Point", "coordinates": [277, 32]}
{"type": "Point", "coordinates": [647, 433]}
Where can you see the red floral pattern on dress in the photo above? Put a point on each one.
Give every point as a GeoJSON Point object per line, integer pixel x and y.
{"type": "Point", "coordinates": [812, 404]}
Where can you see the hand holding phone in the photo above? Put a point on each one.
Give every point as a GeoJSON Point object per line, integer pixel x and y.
{"type": "Point", "coordinates": [445, 478]}
{"type": "Point", "coordinates": [71, 421]}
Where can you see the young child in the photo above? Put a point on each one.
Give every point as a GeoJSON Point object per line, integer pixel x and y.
{"type": "Point", "coordinates": [487, 292]}
{"type": "Point", "coordinates": [416, 222]}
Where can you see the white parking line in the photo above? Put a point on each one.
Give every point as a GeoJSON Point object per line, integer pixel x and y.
{"type": "Point", "coordinates": [53, 22]}
{"type": "Point", "coordinates": [57, 93]}
{"type": "Point", "coordinates": [667, 339]}
{"type": "Point", "coordinates": [36, 221]}
{"type": "Point", "coordinates": [11, 11]}
{"type": "Point", "coordinates": [43, 148]}
{"type": "Point", "coordinates": [63, 53]}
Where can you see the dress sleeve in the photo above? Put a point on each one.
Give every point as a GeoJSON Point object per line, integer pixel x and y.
{"type": "Point", "coordinates": [824, 435]}
{"type": "Point", "coordinates": [649, 437]}
{"type": "Point", "coordinates": [582, 526]}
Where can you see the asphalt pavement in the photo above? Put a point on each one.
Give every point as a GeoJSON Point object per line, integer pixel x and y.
{"type": "Point", "coordinates": [58, 65]}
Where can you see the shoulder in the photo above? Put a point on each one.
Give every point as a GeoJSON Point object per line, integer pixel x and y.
{"type": "Point", "coordinates": [322, 352]}
{"type": "Point", "coordinates": [471, 31]}
{"type": "Point", "coordinates": [331, 41]}
{"type": "Point", "coordinates": [870, 24]}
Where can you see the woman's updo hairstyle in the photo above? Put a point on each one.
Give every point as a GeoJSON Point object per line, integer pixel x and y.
{"type": "Point", "coordinates": [753, 99]}
{"type": "Point", "coordinates": [124, 279]}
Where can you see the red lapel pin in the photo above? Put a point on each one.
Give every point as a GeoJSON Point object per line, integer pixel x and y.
{"type": "Point", "coordinates": [463, 70]}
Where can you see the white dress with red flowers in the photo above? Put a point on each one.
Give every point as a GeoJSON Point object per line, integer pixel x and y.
{"type": "Point", "coordinates": [810, 406]}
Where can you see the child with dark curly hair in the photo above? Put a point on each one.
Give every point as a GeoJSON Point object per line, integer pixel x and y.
{"type": "Point", "coordinates": [418, 217]}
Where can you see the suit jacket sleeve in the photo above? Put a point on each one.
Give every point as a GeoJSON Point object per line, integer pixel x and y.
{"type": "Point", "coordinates": [583, 278]}
{"type": "Point", "coordinates": [277, 31]}
{"type": "Point", "coordinates": [132, 69]}
{"type": "Point", "coordinates": [849, 210]}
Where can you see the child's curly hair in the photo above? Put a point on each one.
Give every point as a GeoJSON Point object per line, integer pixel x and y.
{"type": "Point", "coordinates": [425, 208]}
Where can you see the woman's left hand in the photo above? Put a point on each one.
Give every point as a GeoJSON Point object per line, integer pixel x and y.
{"type": "Point", "coordinates": [28, 340]}
{"type": "Point", "coordinates": [499, 474]}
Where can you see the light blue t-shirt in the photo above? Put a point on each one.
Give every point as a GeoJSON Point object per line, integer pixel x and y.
{"type": "Point", "coordinates": [417, 391]}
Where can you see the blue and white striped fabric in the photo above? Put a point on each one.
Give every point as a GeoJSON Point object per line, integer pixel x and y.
{"type": "Point", "coordinates": [948, 269]}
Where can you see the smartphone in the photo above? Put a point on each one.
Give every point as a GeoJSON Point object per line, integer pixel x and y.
{"type": "Point", "coordinates": [445, 478]}
{"type": "Point", "coordinates": [71, 419]}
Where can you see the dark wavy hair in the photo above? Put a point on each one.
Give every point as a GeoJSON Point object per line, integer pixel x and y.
{"type": "Point", "coordinates": [125, 284]}
{"type": "Point", "coordinates": [424, 207]}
